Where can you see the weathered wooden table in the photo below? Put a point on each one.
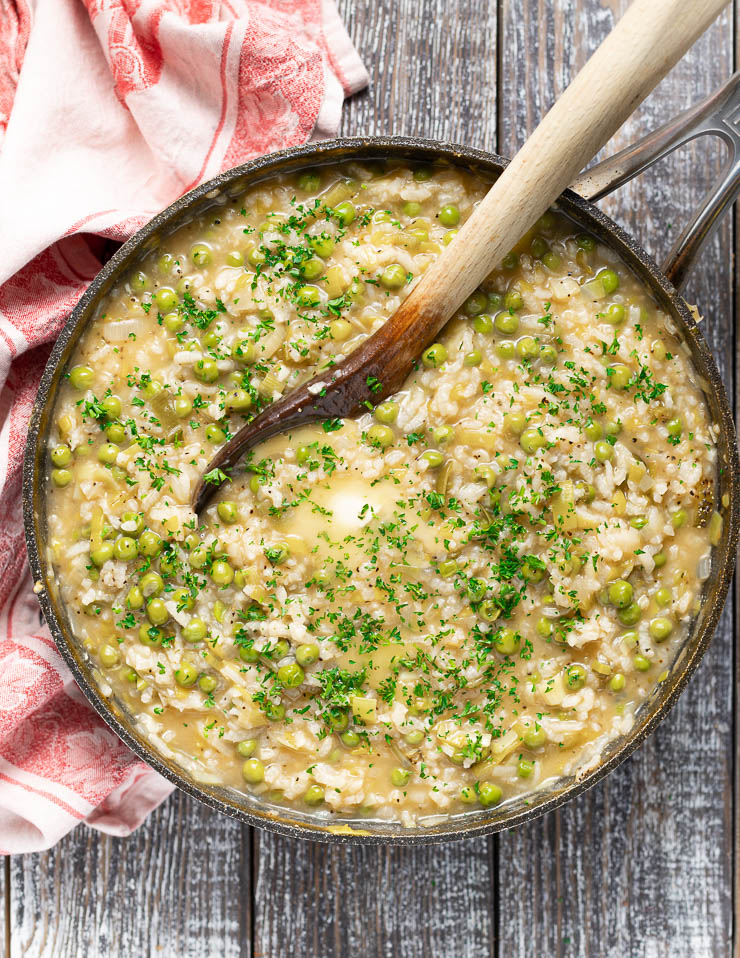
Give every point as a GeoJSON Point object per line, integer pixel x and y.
{"type": "Point", "coordinates": [644, 863]}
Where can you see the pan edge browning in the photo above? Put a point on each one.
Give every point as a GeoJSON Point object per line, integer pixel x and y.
{"type": "Point", "coordinates": [294, 823]}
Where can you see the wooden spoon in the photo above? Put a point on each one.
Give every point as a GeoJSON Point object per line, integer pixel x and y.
{"type": "Point", "coordinates": [649, 39]}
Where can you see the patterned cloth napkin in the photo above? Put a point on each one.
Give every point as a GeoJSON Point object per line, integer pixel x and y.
{"type": "Point", "coordinates": [109, 110]}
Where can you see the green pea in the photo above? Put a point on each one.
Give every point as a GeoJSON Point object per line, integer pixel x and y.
{"type": "Point", "coordinates": [660, 628]}
{"type": "Point", "coordinates": [467, 795]}
{"type": "Point", "coordinates": [400, 777]}
{"type": "Point", "coordinates": [182, 598]}
{"type": "Point", "coordinates": [618, 376]}
{"type": "Point", "coordinates": [593, 430]}
{"type": "Point", "coordinates": [495, 301]}
{"type": "Point", "coordinates": [166, 299]}
{"type": "Point", "coordinates": [200, 254]}
{"type": "Point", "coordinates": [107, 452]}
{"type": "Point", "coordinates": [195, 631]}
{"type": "Point", "coordinates": [112, 407]}
{"type": "Point", "coordinates": [314, 795]}
{"type": "Point", "coordinates": [172, 322]}
{"type": "Point", "coordinates": [603, 451]}
{"type": "Point", "coordinates": [433, 458]}
{"type": "Point", "coordinates": [630, 615]}
{"type": "Point", "coordinates": [524, 768]}
{"type": "Point", "coordinates": [615, 314]}
{"type": "Point", "coordinates": [308, 297]}
{"type": "Point", "coordinates": [256, 257]}
{"type": "Point", "coordinates": [247, 747]}
{"type": "Point", "coordinates": [483, 323]}
{"type": "Point", "coordinates": [527, 348]}
{"type": "Point", "coordinates": [609, 281]}
{"type": "Point", "coordinates": [393, 276]}
{"type": "Point", "coordinates": [109, 656]}
{"type": "Point", "coordinates": [312, 268]}
{"type": "Point", "coordinates": [674, 427]}
{"type": "Point", "coordinates": [275, 713]}
{"type": "Point", "coordinates": [534, 736]}
{"type": "Point", "coordinates": [679, 518]}
{"type": "Point", "coordinates": [422, 174]}
{"type": "Point", "coordinates": [307, 654]}
{"type": "Point", "coordinates": [641, 663]}
{"type": "Point", "coordinates": [544, 627]}
{"type": "Point", "coordinates": [617, 682]}
{"type": "Point", "coordinates": [449, 215]}
{"type": "Point", "coordinates": [548, 355]}
{"type": "Point", "coordinates": [206, 370]}
{"type": "Point", "coordinates": [507, 641]}
{"type": "Point", "coordinates": [507, 323]}
{"type": "Point", "coordinates": [303, 454]}
{"type": "Point", "coordinates": [350, 738]}
{"type": "Point", "coordinates": [278, 553]}
{"type": "Point", "coordinates": [380, 436]}
{"type": "Point", "coordinates": [515, 422]}
{"type": "Point", "coordinates": [244, 351]}
{"type": "Point", "coordinates": [253, 771]}
{"type": "Point", "coordinates": [660, 559]}
{"type": "Point", "coordinates": [538, 247]}
{"type": "Point", "coordinates": [186, 674]}
{"type": "Point", "coordinates": [411, 209]}
{"type": "Point", "coordinates": [125, 548]}
{"type": "Point", "coordinates": [322, 245]}
{"type": "Point", "coordinates": [505, 349]}
{"type": "Point", "coordinates": [345, 213]}
{"type": "Point", "coordinates": [248, 654]}
{"type": "Point", "coordinates": [134, 598]}
{"type": "Point", "coordinates": [552, 261]}
{"type": "Point", "coordinates": [584, 241]}
{"type": "Point", "coordinates": [309, 182]}
{"type": "Point", "coordinates": [61, 455]}
{"type": "Point", "coordinates": [620, 594]}
{"type": "Point", "coordinates": [613, 428]}
{"type": "Point", "coordinates": [476, 304]}
{"type": "Point", "coordinates": [443, 434]}
{"type": "Point", "coordinates": [215, 434]}
{"type": "Point", "coordinates": [207, 683]}
{"type": "Point", "coordinates": [234, 258]}
{"type": "Point", "coordinates": [115, 433]}
{"type": "Point", "coordinates": [152, 388]}
{"type": "Point", "coordinates": [488, 610]}
{"type": "Point", "coordinates": [414, 737]}
{"type": "Point", "coordinates": [489, 794]}
{"type": "Point", "coordinates": [81, 377]}
{"type": "Point", "coordinates": [222, 573]}
{"type": "Point", "coordinates": [237, 399]}
{"type": "Point", "coordinates": [149, 543]}
{"type": "Point", "coordinates": [663, 596]}
{"type": "Point", "coordinates": [386, 412]}
{"type": "Point", "coordinates": [227, 512]}
{"type": "Point", "coordinates": [150, 634]}
{"type": "Point", "coordinates": [198, 557]}
{"type": "Point", "coordinates": [291, 675]}
{"type": "Point", "coordinates": [102, 554]}
{"type": "Point", "coordinates": [156, 611]}
{"type": "Point", "coordinates": [434, 356]}
{"type": "Point", "coordinates": [575, 677]}
{"type": "Point", "coordinates": [513, 301]}
{"type": "Point", "coordinates": [476, 589]}
{"type": "Point", "coordinates": [531, 440]}
{"type": "Point", "coordinates": [61, 477]}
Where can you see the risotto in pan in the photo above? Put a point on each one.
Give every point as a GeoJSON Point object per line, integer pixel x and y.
{"type": "Point", "coordinates": [462, 594]}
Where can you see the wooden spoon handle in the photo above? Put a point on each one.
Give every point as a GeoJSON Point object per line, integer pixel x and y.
{"type": "Point", "coordinates": [649, 39]}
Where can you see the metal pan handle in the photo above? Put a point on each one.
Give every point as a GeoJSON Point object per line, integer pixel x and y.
{"type": "Point", "coordinates": [718, 115]}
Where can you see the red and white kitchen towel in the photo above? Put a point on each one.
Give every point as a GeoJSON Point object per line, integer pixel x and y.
{"type": "Point", "coordinates": [109, 110]}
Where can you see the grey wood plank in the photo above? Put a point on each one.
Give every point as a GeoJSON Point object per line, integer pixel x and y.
{"type": "Point", "coordinates": [181, 885]}
{"type": "Point", "coordinates": [642, 864]}
{"type": "Point", "coordinates": [394, 902]}
{"type": "Point", "coordinates": [432, 74]}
